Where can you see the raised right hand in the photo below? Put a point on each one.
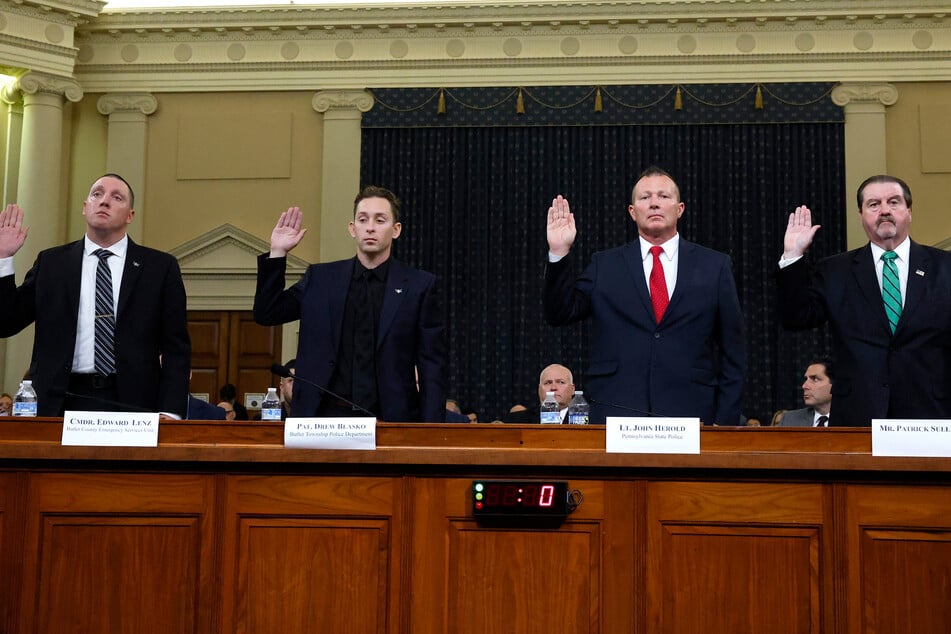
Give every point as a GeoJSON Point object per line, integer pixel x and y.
{"type": "Point", "coordinates": [12, 231]}
{"type": "Point", "coordinates": [561, 227]}
{"type": "Point", "coordinates": [799, 233]}
{"type": "Point", "coordinates": [287, 232]}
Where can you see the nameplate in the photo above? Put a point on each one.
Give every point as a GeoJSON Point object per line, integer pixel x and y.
{"type": "Point", "coordinates": [923, 438]}
{"type": "Point", "coordinates": [330, 433]}
{"type": "Point", "coordinates": [110, 429]}
{"type": "Point", "coordinates": [652, 435]}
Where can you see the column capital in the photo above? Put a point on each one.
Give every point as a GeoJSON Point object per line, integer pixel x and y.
{"type": "Point", "coordinates": [865, 92]}
{"type": "Point", "coordinates": [33, 83]}
{"type": "Point", "coordinates": [127, 102]}
{"type": "Point", "coordinates": [342, 100]}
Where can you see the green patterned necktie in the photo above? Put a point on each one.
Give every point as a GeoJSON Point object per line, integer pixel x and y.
{"type": "Point", "coordinates": [891, 289]}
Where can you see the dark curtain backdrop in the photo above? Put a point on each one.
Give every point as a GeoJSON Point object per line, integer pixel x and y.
{"type": "Point", "coordinates": [475, 201]}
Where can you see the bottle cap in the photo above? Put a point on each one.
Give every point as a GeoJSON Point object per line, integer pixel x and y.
{"type": "Point", "coordinates": [549, 393]}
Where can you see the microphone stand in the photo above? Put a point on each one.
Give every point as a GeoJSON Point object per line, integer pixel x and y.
{"type": "Point", "coordinates": [284, 372]}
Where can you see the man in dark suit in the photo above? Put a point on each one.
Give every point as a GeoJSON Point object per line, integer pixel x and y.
{"type": "Point", "coordinates": [816, 394]}
{"type": "Point", "coordinates": [366, 324]}
{"type": "Point", "coordinates": [888, 305]}
{"type": "Point", "coordinates": [146, 364]}
{"type": "Point", "coordinates": [668, 333]}
{"type": "Point", "coordinates": [554, 378]}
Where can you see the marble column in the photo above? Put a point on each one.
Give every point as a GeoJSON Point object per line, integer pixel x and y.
{"type": "Point", "coordinates": [340, 177]}
{"type": "Point", "coordinates": [39, 187]}
{"type": "Point", "coordinates": [865, 145]}
{"type": "Point", "coordinates": [126, 149]}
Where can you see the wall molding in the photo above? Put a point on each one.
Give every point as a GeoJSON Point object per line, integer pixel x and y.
{"type": "Point", "coordinates": [523, 43]}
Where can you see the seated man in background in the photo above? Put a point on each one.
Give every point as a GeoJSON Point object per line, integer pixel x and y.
{"type": "Point", "coordinates": [554, 378]}
{"type": "Point", "coordinates": [6, 404]}
{"type": "Point", "coordinates": [817, 395]}
{"type": "Point", "coordinates": [228, 409]}
{"type": "Point", "coordinates": [454, 412]}
{"type": "Point", "coordinates": [285, 389]}
{"type": "Point", "coordinates": [229, 393]}
{"type": "Point", "coordinates": [198, 409]}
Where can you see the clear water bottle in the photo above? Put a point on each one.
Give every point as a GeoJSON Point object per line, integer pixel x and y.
{"type": "Point", "coordinates": [549, 410]}
{"type": "Point", "coordinates": [271, 406]}
{"type": "Point", "coordinates": [578, 410]}
{"type": "Point", "coordinates": [24, 403]}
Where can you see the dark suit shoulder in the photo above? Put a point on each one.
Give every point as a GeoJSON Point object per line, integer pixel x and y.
{"type": "Point", "coordinates": [401, 268]}
{"type": "Point", "coordinates": [694, 250]}
{"type": "Point", "coordinates": [63, 250]}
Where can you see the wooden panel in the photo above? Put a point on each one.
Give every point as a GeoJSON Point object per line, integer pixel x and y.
{"type": "Point", "coordinates": [209, 361]}
{"type": "Point", "coordinates": [311, 550]}
{"type": "Point", "coordinates": [527, 578]}
{"type": "Point", "coordinates": [504, 581]}
{"type": "Point", "coordinates": [253, 350]}
{"type": "Point", "coordinates": [9, 554]}
{"type": "Point", "coordinates": [118, 553]}
{"type": "Point", "coordinates": [899, 559]}
{"type": "Point", "coordinates": [229, 347]}
{"type": "Point", "coordinates": [737, 557]}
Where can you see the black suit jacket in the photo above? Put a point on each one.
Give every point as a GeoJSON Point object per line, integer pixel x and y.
{"type": "Point", "coordinates": [690, 364]}
{"type": "Point", "coordinates": [410, 335]}
{"type": "Point", "coordinates": [878, 374]}
{"type": "Point", "coordinates": [150, 321]}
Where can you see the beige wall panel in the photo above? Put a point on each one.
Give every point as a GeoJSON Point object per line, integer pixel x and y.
{"type": "Point", "coordinates": [931, 222]}
{"type": "Point", "coordinates": [184, 205]}
{"type": "Point", "coordinates": [239, 146]}
{"type": "Point", "coordinates": [935, 137]}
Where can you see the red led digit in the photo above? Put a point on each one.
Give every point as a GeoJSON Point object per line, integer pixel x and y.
{"type": "Point", "coordinates": [548, 495]}
{"type": "Point", "coordinates": [492, 495]}
{"type": "Point", "coordinates": [510, 496]}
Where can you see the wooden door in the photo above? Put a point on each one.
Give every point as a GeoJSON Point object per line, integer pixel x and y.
{"type": "Point", "coordinates": [229, 347]}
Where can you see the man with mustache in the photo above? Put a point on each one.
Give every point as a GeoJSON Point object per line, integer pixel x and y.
{"type": "Point", "coordinates": [888, 305]}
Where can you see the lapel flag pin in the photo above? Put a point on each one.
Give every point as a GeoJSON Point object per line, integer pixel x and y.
{"type": "Point", "coordinates": [920, 272]}
{"type": "Point", "coordinates": [399, 290]}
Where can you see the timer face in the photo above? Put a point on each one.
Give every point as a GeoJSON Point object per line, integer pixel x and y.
{"type": "Point", "coordinates": [541, 498]}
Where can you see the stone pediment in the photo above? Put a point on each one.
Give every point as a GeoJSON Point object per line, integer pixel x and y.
{"type": "Point", "coordinates": [220, 268]}
{"type": "Point", "coordinates": [227, 250]}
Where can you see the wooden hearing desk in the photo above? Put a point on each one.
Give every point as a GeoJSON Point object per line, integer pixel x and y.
{"type": "Point", "coordinates": [222, 529]}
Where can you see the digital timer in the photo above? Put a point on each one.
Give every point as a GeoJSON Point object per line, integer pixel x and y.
{"type": "Point", "coordinates": [524, 498]}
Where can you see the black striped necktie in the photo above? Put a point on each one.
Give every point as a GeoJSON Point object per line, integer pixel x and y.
{"type": "Point", "coordinates": [105, 316]}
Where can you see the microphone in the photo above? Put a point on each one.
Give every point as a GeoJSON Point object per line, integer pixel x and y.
{"type": "Point", "coordinates": [283, 371]}
{"type": "Point", "coordinates": [126, 407]}
{"type": "Point", "coordinates": [626, 408]}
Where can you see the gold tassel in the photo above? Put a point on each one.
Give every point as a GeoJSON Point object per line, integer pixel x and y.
{"type": "Point", "coordinates": [758, 101]}
{"type": "Point", "coordinates": [678, 100]}
{"type": "Point", "coordinates": [598, 104]}
{"type": "Point", "coordinates": [441, 107]}
{"type": "Point", "coordinates": [520, 103]}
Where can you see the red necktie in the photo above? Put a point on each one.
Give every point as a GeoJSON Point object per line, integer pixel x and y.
{"type": "Point", "coordinates": [659, 296]}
